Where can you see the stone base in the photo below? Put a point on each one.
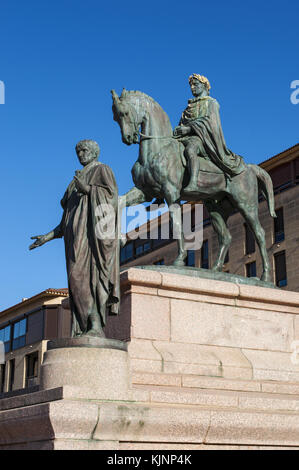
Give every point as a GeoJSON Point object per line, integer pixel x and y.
{"type": "Point", "coordinates": [56, 419]}
{"type": "Point", "coordinates": [87, 342]}
{"type": "Point", "coordinates": [209, 366]}
{"type": "Point", "coordinates": [91, 373]}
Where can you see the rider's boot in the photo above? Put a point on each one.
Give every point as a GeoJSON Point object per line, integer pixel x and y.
{"type": "Point", "coordinates": [194, 163]}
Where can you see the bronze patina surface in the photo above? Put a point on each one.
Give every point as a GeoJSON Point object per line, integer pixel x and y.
{"type": "Point", "coordinates": [208, 274]}
{"type": "Point", "coordinates": [92, 261]}
{"type": "Point", "coordinates": [192, 163]}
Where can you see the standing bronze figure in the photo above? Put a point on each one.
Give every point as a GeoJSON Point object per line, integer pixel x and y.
{"type": "Point", "coordinates": [92, 259]}
{"type": "Point", "coordinates": [192, 164]}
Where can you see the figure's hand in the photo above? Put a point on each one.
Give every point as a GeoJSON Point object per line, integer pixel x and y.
{"type": "Point", "coordinates": [181, 131]}
{"type": "Point", "coordinates": [81, 186]}
{"type": "Point", "coordinates": [39, 241]}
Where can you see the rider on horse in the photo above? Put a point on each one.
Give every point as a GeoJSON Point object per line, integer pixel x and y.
{"type": "Point", "coordinates": [201, 133]}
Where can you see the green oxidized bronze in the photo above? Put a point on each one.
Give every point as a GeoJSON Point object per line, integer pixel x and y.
{"type": "Point", "coordinates": [92, 260]}
{"type": "Point", "coordinates": [192, 163]}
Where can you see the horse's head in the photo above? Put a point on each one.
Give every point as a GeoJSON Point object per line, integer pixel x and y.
{"type": "Point", "coordinates": [126, 115]}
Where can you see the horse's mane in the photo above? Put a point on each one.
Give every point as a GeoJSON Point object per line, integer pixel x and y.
{"type": "Point", "coordinates": [141, 100]}
{"type": "Point", "coordinates": [140, 96]}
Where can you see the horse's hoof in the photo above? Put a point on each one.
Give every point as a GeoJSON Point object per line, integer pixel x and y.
{"type": "Point", "coordinates": [217, 269]}
{"type": "Point", "coordinates": [179, 262]}
{"type": "Point", "coordinates": [266, 277]}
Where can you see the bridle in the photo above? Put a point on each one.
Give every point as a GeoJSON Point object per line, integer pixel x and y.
{"type": "Point", "coordinates": [137, 132]}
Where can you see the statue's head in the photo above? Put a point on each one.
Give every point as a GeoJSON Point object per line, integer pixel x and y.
{"type": "Point", "coordinates": [199, 84]}
{"type": "Point", "coordinates": [87, 151]}
{"type": "Point", "coordinates": [126, 117]}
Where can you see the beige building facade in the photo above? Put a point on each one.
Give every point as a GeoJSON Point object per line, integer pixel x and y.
{"type": "Point", "coordinates": [25, 329]}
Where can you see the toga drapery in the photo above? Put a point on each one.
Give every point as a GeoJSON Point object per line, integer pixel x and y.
{"type": "Point", "coordinates": [202, 115]}
{"type": "Point", "coordinates": [92, 262]}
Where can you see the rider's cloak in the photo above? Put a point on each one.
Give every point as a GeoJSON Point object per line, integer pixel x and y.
{"type": "Point", "coordinates": [202, 115]}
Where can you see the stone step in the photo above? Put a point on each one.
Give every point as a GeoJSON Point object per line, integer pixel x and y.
{"type": "Point", "coordinates": [214, 383]}
{"type": "Point", "coordinates": [242, 400]}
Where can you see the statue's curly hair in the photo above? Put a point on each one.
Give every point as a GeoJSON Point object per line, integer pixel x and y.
{"type": "Point", "coordinates": [92, 144]}
{"type": "Point", "coordinates": [202, 79]}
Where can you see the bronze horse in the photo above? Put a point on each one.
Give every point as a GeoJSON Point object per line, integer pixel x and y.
{"type": "Point", "coordinates": [161, 172]}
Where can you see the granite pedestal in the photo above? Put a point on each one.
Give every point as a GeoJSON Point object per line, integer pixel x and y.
{"type": "Point", "coordinates": [210, 365]}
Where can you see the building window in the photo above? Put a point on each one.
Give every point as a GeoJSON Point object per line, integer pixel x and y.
{"type": "Point", "coordinates": [205, 255]}
{"type": "Point", "coordinates": [139, 250]}
{"type": "Point", "coordinates": [251, 269]}
{"type": "Point", "coordinates": [11, 371]}
{"type": "Point", "coordinates": [143, 248]}
{"type": "Point", "coordinates": [249, 241]}
{"type": "Point", "coordinates": [5, 337]}
{"type": "Point", "coordinates": [280, 269]}
{"type": "Point", "coordinates": [2, 377]}
{"type": "Point", "coordinates": [190, 258]}
{"type": "Point", "coordinates": [159, 263]}
{"type": "Point", "coordinates": [31, 368]}
{"type": "Point", "coordinates": [19, 334]}
{"type": "Point", "coordinates": [126, 253]}
{"type": "Point", "coordinates": [279, 226]}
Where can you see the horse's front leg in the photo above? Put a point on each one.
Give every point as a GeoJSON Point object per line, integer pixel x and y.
{"type": "Point", "coordinates": [132, 198]}
{"type": "Point", "coordinates": [177, 226]}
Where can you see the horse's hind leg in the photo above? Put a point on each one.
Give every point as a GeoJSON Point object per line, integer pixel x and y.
{"type": "Point", "coordinates": [252, 219]}
{"type": "Point", "coordinates": [218, 220]}
{"type": "Point", "coordinates": [177, 226]}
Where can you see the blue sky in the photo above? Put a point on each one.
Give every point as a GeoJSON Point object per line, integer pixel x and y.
{"type": "Point", "coordinates": [59, 61]}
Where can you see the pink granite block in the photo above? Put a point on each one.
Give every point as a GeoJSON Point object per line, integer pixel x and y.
{"type": "Point", "coordinates": [150, 317]}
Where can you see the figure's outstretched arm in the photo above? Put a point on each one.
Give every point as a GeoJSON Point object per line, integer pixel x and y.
{"type": "Point", "coordinates": [42, 239]}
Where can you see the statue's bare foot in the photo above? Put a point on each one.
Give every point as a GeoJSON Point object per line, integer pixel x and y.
{"type": "Point", "coordinates": [94, 326]}
{"type": "Point", "coordinates": [98, 333]}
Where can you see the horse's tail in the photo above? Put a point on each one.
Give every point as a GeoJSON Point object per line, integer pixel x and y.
{"type": "Point", "coordinates": [266, 187]}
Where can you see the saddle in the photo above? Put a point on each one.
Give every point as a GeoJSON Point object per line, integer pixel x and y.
{"type": "Point", "coordinates": [209, 174]}
{"type": "Point", "coordinates": [207, 166]}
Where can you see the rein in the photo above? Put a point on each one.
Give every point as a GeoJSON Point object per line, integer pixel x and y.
{"type": "Point", "coordinates": [143, 136]}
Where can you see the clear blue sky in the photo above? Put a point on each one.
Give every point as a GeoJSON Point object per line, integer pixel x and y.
{"type": "Point", "coordinates": [59, 60]}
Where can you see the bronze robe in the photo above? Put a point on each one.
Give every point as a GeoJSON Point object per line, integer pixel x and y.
{"type": "Point", "coordinates": [92, 263]}
{"type": "Point", "coordinates": [202, 115]}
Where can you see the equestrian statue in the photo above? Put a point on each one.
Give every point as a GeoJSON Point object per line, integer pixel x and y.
{"type": "Point", "coordinates": [192, 163]}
